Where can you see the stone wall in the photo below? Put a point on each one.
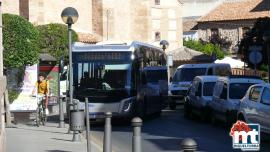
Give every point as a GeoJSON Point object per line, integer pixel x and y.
{"type": "Point", "coordinates": [230, 29]}
{"type": "Point", "coordinates": [97, 21]}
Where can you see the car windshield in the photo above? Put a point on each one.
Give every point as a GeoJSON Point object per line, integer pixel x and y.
{"type": "Point", "coordinates": [156, 75]}
{"type": "Point", "coordinates": [238, 90]}
{"type": "Point", "coordinates": [188, 74]}
{"type": "Point", "coordinates": [208, 88]}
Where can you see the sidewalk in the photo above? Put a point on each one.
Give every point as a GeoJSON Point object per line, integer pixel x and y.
{"type": "Point", "coordinates": [49, 138]}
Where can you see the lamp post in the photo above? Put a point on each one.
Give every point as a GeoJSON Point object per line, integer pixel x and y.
{"type": "Point", "coordinates": [164, 45]}
{"type": "Point", "coordinates": [69, 16]}
{"type": "Point", "coordinates": [266, 38]}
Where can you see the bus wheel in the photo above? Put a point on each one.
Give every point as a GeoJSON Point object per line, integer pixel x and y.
{"type": "Point", "coordinates": [172, 105]}
{"type": "Point", "coordinates": [141, 110]}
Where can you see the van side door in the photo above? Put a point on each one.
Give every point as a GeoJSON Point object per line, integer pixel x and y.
{"type": "Point", "coordinates": [264, 109]}
{"type": "Point", "coordinates": [223, 100]}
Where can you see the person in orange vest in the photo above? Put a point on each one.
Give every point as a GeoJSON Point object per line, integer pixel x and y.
{"type": "Point", "coordinates": [42, 88]}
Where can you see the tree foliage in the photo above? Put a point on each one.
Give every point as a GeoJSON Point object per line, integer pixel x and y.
{"type": "Point", "coordinates": [54, 39]}
{"type": "Point", "coordinates": [255, 37]}
{"type": "Point", "coordinates": [205, 47]}
{"type": "Point", "coordinates": [20, 41]}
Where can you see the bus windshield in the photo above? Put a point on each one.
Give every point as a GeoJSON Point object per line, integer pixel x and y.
{"type": "Point", "coordinates": [101, 76]}
{"type": "Point", "coordinates": [188, 74]}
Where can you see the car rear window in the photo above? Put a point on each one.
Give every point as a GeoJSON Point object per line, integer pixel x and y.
{"type": "Point", "coordinates": [208, 88]}
{"type": "Point", "coordinates": [238, 90]}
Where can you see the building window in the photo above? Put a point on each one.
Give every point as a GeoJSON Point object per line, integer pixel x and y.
{"type": "Point", "coordinates": [157, 2]}
{"type": "Point", "coordinates": [157, 36]}
{"type": "Point", "coordinates": [24, 8]}
{"type": "Point", "coordinates": [214, 32]}
{"type": "Point", "coordinates": [244, 31]}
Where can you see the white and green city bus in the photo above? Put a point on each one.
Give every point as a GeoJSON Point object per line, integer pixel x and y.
{"type": "Point", "coordinates": [126, 79]}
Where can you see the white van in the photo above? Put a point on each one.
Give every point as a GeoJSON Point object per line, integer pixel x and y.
{"type": "Point", "coordinates": [185, 74]}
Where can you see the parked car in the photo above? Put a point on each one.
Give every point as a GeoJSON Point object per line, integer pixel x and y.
{"type": "Point", "coordinates": [199, 96]}
{"type": "Point", "coordinates": [228, 92]}
{"type": "Point", "coordinates": [184, 75]}
{"type": "Point", "coordinates": [255, 106]}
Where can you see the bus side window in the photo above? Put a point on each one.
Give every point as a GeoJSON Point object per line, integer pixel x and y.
{"type": "Point", "coordinates": [210, 71]}
{"type": "Point", "coordinates": [143, 78]}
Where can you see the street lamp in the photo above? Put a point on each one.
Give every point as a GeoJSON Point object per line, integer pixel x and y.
{"type": "Point", "coordinates": [266, 38]}
{"type": "Point", "coordinates": [164, 44]}
{"type": "Point", "coordinates": [69, 16]}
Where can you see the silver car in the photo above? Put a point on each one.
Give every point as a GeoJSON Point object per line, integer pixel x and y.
{"type": "Point", "coordinates": [255, 106]}
{"type": "Point", "coordinates": [227, 94]}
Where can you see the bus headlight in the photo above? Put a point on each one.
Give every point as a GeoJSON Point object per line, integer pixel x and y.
{"type": "Point", "coordinates": [127, 106]}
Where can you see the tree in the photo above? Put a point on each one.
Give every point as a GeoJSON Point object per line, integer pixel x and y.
{"type": "Point", "coordinates": [54, 39]}
{"type": "Point", "coordinates": [20, 41]}
{"type": "Point", "coordinates": [255, 37]}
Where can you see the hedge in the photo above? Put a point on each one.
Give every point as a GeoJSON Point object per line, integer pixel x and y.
{"type": "Point", "coordinates": [20, 41]}
{"type": "Point", "coordinates": [54, 39]}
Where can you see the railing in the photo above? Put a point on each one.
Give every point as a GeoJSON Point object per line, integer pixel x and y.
{"type": "Point", "coordinates": [238, 71]}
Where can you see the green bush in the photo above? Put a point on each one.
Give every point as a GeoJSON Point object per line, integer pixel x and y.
{"type": "Point", "coordinates": [54, 39]}
{"type": "Point", "coordinates": [20, 41]}
{"type": "Point", "coordinates": [205, 47]}
{"type": "Point", "coordinates": [263, 67]}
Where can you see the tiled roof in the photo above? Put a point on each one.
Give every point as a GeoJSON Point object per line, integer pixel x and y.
{"type": "Point", "coordinates": [239, 10]}
{"type": "Point", "coordinates": [186, 54]}
{"type": "Point", "coordinates": [46, 57]}
{"type": "Point", "coordinates": [189, 26]}
{"type": "Point", "coordinates": [88, 38]}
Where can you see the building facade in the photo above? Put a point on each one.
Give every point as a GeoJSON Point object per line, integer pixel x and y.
{"type": "Point", "coordinates": [2, 90]}
{"type": "Point", "coordinates": [110, 20]}
{"type": "Point", "coordinates": [192, 11]}
{"type": "Point", "coordinates": [232, 19]}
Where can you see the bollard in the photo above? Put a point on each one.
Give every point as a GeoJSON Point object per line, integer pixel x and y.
{"type": "Point", "coordinates": [189, 145]}
{"type": "Point", "coordinates": [87, 126]}
{"type": "Point", "coordinates": [136, 139]}
{"type": "Point", "coordinates": [107, 142]}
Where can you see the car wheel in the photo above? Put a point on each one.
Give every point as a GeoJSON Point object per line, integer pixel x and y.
{"type": "Point", "coordinates": [203, 115]}
{"type": "Point", "coordinates": [241, 118]}
{"type": "Point", "coordinates": [187, 111]}
{"type": "Point", "coordinates": [213, 119]}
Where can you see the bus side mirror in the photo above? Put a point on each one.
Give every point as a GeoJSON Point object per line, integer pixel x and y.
{"type": "Point", "coordinates": [61, 65]}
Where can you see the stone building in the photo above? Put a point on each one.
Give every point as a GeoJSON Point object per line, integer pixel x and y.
{"type": "Point", "coordinates": [192, 11]}
{"type": "Point", "coordinates": [141, 20]}
{"type": "Point", "coordinates": [232, 19]}
{"type": "Point", "coordinates": [2, 90]}
{"type": "Point", "coordinates": [113, 20]}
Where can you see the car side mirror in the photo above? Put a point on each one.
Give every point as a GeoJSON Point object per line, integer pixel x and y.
{"type": "Point", "coordinates": [171, 79]}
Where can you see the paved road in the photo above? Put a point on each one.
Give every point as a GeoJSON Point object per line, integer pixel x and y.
{"type": "Point", "coordinates": [165, 134]}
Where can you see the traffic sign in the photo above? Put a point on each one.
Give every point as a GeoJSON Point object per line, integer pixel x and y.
{"type": "Point", "coordinates": [255, 57]}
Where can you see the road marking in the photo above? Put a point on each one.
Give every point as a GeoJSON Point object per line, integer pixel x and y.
{"type": "Point", "coordinates": [98, 143]}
